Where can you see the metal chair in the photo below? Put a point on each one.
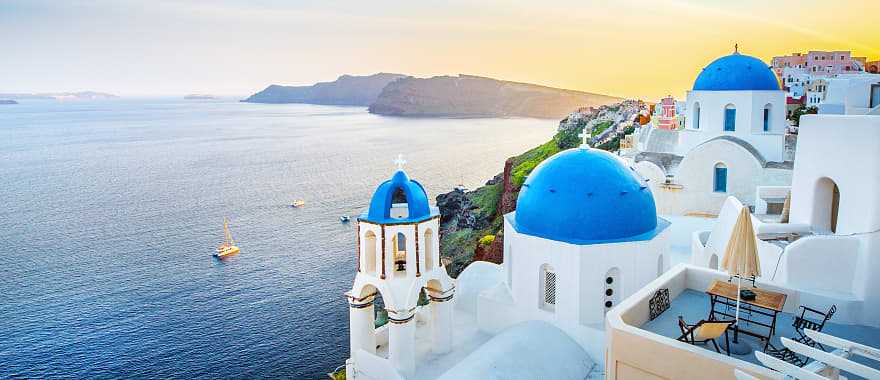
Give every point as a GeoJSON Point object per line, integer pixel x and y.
{"type": "Point", "coordinates": [785, 355]}
{"type": "Point", "coordinates": [704, 332]}
{"type": "Point", "coordinates": [801, 322]}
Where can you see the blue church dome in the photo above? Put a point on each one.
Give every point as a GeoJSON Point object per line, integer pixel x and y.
{"type": "Point", "coordinates": [736, 72]}
{"type": "Point", "coordinates": [384, 198]}
{"type": "Point", "coordinates": [586, 196]}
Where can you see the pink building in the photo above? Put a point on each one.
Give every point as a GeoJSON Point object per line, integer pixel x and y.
{"type": "Point", "coordinates": [666, 119]}
{"type": "Point", "coordinates": [821, 63]}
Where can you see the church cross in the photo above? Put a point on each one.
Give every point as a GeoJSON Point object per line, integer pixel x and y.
{"type": "Point", "coordinates": [584, 135]}
{"type": "Point", "coordinates": [400, 162]}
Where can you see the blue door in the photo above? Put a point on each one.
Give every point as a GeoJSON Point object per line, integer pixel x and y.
{"type": "Point", "coordinates": [720, 179]}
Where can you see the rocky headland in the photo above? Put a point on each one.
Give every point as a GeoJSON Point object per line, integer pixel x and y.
{"type": "Point", "coordinates": [471, 224]}
{"type": "Point", "coordinates": [474, 96]}
{"type": "Point", "coordinates": [347, 90]}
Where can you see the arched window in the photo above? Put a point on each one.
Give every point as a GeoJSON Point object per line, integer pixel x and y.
{"type": "Point", "coordinates": [398, 243]}
{"type": "Point", "coordinates": [720, 181]}
{"type": "Point", "coordinates": [612, 288]}
{"type": "Point", "coordinates": [730, 118]}
{"type": "Point", "coordinates": [429, 250]}
{"type": "Point", "coordinates": [548, 288]}
{"type": "Point", "coordinates": [713, 261]}
{"type": "Point", "coordinates": [696, 123]}
{"type": "Point", "coordinates": [767, 117]}
{"type": "Point", "coordinates": [370, 252]}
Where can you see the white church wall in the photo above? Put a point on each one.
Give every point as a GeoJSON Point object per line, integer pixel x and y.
{"type": "Point", "coordinates": [696, 173]}
{"type": "Point", "coordinates": [749, 120]}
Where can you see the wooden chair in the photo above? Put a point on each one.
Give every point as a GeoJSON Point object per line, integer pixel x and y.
{"type": "Point", "coordinates": [704, 332]}
{"type": "Point", "coordinates": [801, 322]}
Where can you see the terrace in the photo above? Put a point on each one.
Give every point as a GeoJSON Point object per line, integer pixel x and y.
{"type": "Point", "coordinates": [638, 345]}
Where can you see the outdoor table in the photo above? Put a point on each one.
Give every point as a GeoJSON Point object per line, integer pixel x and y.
{"type": "Point", "coordinates": [766, 302]}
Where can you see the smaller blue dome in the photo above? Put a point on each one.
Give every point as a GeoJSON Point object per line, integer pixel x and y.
{"type": "Point", "coordinates": [737, 72]}
{"type": "Point", "coordinates": [586, 196]}
{"type": "Point", "coordinates": [383, 200]}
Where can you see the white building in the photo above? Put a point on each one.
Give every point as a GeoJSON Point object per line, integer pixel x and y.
{"type": "Point", "coordinates": [585, 236]}
{"type": "Point", "coordinates": [855, 94]}
{"type": "Point", "coordinates": [733, 140]}
{"type": "Point", "coordinates": [795, 80]}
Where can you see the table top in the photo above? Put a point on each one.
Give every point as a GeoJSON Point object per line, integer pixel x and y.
{"type": "Point", "coordinates": [763, 298]}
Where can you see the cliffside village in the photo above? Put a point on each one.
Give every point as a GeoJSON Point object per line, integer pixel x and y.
{"type": "Point", "coordinates": [725, 238]}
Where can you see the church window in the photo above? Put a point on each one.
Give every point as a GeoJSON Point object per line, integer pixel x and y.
{"type": "Point", "coordinates": [767, 118]}
{"type": "Point", "coordinates": [548, 288]}
{"type": "Point", "coordinates": [729, 118]}
{"type": "Point", "coordinates": [696, 116]}
{"type": "Point", "coordinates": [720, 182]}
{"type": "Point", "coordinates": [875, 95]}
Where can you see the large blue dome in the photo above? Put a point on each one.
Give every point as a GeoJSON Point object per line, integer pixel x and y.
{"type": "Point", "coordinates": [586, 196]}
{"type": "Point", "coordinates": [383, 200]}
{"type": "Point", "coordinates": [736, 72]}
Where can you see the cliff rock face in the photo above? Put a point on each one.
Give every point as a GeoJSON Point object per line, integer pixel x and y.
{"type": "Point", "coordinates": [473, 96]}
{"type": "Point", "coordinates": [347, 90]}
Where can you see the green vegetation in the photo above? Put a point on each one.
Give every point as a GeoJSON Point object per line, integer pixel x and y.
{"type": "Point", "coordinates": [601, 127]}
{"type": "Point", "coordinates": [526, 162]}
{"type": "Point", "coordinates": [486, 199]}
{"type": "Point", "coordinates": [339, 374]}
{"type": "Point", "coordinates": [487, 240]}
{"type": "Point", "coordinates": [795, 115]}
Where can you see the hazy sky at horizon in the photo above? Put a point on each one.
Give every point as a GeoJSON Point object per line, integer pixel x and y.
{"type": "Point", "coordinates": [629, 48]}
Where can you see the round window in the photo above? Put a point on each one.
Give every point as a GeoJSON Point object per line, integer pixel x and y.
{"type": "Point", "coordinates": [609, 292]}
{"type": "Point", "coordinates": [608, 304]}
{"type": "Point", "coordinates": [609, 280]}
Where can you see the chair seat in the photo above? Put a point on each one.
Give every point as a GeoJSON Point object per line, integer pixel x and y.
{"type": "Point", "coordinates": [711, 330]}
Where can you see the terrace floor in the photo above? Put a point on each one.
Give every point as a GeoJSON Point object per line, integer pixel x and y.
{"type": "Point", "coordinates": [693, 305]}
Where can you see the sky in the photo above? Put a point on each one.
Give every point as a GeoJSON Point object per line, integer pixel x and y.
{"type": "Point", "coordinates": [628, 48]}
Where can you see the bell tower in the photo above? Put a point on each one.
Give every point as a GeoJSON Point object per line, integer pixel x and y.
{"type": "Point", "coordinates": [398, 259]}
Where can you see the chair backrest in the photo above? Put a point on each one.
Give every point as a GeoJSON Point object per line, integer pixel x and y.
{"type": "Point", "coordinates": [830, 313]}
{"type": "Point", "coordinates": [682, 325]}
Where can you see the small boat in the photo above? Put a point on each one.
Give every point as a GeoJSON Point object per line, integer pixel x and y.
{"type": "Point", "coordinates": [344, 219]}
{"type": "Point", "coordinates": [228, 247]}
{"type": "Point", "coordinates": [298, 203]}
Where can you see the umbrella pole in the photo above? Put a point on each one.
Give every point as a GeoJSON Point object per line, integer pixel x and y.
{"type": "Point", "coordinates": [736, 319]}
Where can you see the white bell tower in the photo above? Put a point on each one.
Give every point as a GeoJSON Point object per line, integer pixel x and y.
{"type": "Point", "coordinates": [398, 257]}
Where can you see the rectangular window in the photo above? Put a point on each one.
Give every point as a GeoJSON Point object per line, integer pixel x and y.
{"type": "Point", "coordinates": [720, 180]}
{"type": "Point", "coordinates": [730, 119]}
{"type": "Point", "coordinates": [766, 119]}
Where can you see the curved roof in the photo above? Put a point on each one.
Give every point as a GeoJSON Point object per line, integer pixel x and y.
{"type": "Point", "coordinates": [586, 196]}
{"type": "Point", "coordinates": [528, 350]}
{"type": "Point", "coordinates": [474, 279]}
{"type": "Point", "coordinates": [737, 72]}
{"type": "Point", "coordinates": [383, 200]}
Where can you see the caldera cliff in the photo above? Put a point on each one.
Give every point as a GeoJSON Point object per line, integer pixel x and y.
{"type": "Point", "coordinates": [347, 90]}
{"type": "Point", "coordinates": [474, 96]}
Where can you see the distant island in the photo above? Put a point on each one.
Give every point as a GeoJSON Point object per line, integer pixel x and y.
{"type": "Point", "coordinates": [7, 101]}
{"type": "Point", "coordinates": [80, 95]}
{"type": "Point", "coordinates": [441, 96]}
{"type": "Point", "coordinates": [474, 96]}
{"type": "Point", "coordinates": [347, 90]}
{"type": "Point", "coordinates": [199, 97]}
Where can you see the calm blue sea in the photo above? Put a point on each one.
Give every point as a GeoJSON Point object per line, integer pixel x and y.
{"type": "Point", "coordinates": [110, 210]}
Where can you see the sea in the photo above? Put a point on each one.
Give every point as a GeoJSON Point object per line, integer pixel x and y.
{"type": "Point", "coordinates": [110, 212]}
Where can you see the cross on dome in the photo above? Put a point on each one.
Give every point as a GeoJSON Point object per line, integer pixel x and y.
{"type": "Point", "coordinates": [400, 162]}
{"type": "Point", "coordinates": [584, 135]}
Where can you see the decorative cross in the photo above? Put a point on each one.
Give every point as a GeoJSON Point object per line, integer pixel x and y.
{"type": "Point", "coordinates": [584, 135]}
{"type": "Point", "coordinates": [400, 162]}
{"type": "Point", "coordinates": [736, 48]}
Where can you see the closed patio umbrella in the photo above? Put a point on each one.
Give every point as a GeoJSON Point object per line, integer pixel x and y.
{"type": "Point", "coordinates": [741, 256]}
